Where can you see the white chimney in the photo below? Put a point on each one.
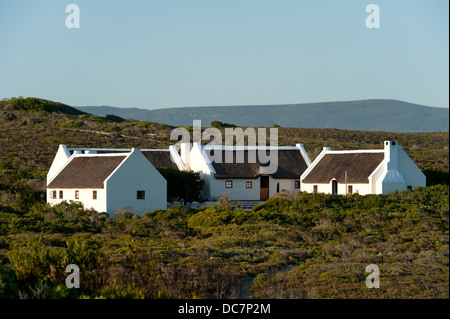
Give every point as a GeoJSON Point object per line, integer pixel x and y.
{"type": "Point", "coordinates": [391, 155]}
{"type": "Point", "coordinates": [391, 180]}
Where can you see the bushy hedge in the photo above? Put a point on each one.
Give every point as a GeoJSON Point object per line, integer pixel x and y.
{"type": "Point", "coordinates": [182, 183]}
{"type": "Point", "coordinates": [187, 253]}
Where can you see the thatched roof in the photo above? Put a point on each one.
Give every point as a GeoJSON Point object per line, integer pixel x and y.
{"type": "Point", "coordinates": [291, 165]}
{"type": "Point", "coordinates": [86, 172]}
{"type": "Point", "coordinates": [358, 166]}
{"type": "Point", "coordinates": [160, 158]}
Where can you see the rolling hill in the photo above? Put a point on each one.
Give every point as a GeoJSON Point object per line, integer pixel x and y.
{"type": "Point", "coordinates": [292, 246]}
{"type": "Point", "coordinates": [368, 115]}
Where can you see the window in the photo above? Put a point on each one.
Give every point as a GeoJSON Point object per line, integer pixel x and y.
{"type": "Point", "coordinates": [53, 194]}
{"type": "Point", "coordinates": [409, 187]}
{"type": "Point", "coordinates": [61, 195]}
{"type": "Point", "coordinates": [315, 189]}
{"type": "Point", "coordinates": [297, 184]}
{"type": "Point", "coordinates": [94, 194]}
{"type": "Point", "coordinates": [228, 184]}
{"type": "Point", "coordinates": [77, 194]}
{"type": "Point", "coordinates": [140, 195]}
{"type": "Point", "coordinates": [350, 189]}
{"type": "Point", "coordinates": [248, 185]}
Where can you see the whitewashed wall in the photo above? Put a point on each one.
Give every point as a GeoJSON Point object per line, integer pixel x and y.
{"type": "Point", "coordinates": [375, 179]}
{"type": "Point", "coordinates": [411, 173]}
{"type": "Point", "coordinates": [136, 173]}
{"type": "Point", "coordinates": [285, 184]}
{"type": "Point", "coordinates": [85, 197]}
{"type": "Point", "coordinates": [238, 191]}
{"type": "Point", "coordinates": [362, 189]}
{"type": "Point", "coordinates": [200, 163]}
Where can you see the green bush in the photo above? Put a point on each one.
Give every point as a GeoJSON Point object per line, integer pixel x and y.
{"type": "Point", "coordinates": [37, 263]}
{"type": "Point", "coordinates": [71, 124]}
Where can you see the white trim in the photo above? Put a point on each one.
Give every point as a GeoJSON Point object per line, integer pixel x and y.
{"type": "Point", "coordinates": [304, 154]}
{"type": "Point", "coordinates": [246, 148]}
{"type": "Point", "coordinates": [327, 150]}
{"type": "Point", "coordinates": [313, 164]}
{"type": "Point", "coordinates": [176, 158]}
{"type": "Point", "coordinates": [70, 159]}
{"type": "Point", "coordinates": [206, 158]}
{"type": "Point", "coordinates": [355, 151]}
{"type": "Point", "coordinates": [133, 150]}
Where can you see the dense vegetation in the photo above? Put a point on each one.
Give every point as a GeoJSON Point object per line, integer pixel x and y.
{"type": "Point", "coordinates": [293, 246]}
{"type": "Point", "coordinates": [34, 104]}
{"type": "Point", "coordinates": [182, 185]}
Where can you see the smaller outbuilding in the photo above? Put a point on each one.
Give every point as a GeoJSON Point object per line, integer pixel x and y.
{"type": "Point", "coordinates": [377, 171]}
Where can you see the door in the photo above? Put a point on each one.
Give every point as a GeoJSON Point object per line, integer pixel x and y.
{"type": "Point", "coordinates": [264, 187]}
{"type": "Point", "coordinates": [334, 187]}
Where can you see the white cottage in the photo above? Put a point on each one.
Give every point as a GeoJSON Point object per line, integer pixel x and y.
{"type": "Point", "coordinates": [377, 171]}
{"type": "Point", "coordinates": [106, 180]}
{"type": "Point", "coordinates": [242, 178]}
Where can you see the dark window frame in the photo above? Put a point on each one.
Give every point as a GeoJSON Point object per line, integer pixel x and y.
{"type": "Point", "coordinates": [140, 195]}
{"type": "Point", "coordinates": [228, 184]}
{"type": "Point", "coordinates": [248, 185]}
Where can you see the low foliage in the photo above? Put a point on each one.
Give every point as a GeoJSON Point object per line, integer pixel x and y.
{"type": "Point", "coordinates": [302, 246]}
{"type": "Point", "coordinates": [292, 246]}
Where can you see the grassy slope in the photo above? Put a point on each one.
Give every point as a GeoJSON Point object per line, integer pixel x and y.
{"type": "Point", "coordinates": [296, 246]}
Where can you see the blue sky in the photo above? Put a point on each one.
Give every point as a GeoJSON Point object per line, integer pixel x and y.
{"type": "Point", "coordinates": [174, 53]}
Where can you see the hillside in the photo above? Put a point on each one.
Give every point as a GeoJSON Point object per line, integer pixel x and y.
{"type": "Point", "coordinates": [48, 129]}
{"type": "Point", "coordinates": [368, 115]}
{"type": "Point", "coordinates": [292, 246]}
{"type": "Point", "coordinates": [35, 104]}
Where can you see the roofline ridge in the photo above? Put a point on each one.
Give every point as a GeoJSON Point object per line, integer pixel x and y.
{"type": "Point", "coordinates": [354, 151]}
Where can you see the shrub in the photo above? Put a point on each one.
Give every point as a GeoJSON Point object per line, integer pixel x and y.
{"type": "Point", "coordinates": [182, 183]}
{"type": "Point", "coordinates": [71, 124]}
{"type": "Point", "coordinates": [114, 118]}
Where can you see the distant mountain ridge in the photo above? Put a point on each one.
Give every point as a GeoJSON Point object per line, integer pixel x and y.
{"type": "Point", "coordinates": [367, 115]}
